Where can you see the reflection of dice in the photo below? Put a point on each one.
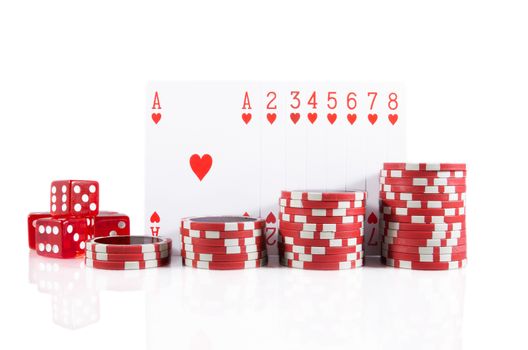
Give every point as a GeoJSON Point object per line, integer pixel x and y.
{"type": "Point", "coordinates": [60, 238]}
{"type": "Point", "coordinates": [76, 310]}
{"type": "Point", "coordinates": [74, 198]}
{"type": "Point", "coordinates": [32, 219]}
{"type": "Point", "coordinates": [109, 223]}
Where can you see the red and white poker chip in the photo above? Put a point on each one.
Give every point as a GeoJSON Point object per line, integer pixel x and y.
{"type": "Point", "coordinates": [126, 265]}
{"type": "Point", "coordinates": [220, 242]}
{"type": "Point", "coordinates": [422, 196]}
{"type": "Point", "coordinates": [421, 219]}
{"type": "Point", "coordinates": [224, 257]}
{"type": "Point", "coordinates": [220, 234]}
{"type": "Point", "coordinates": [128, 244]}
{"type": "Point", "coordinates": [322, 212]}
{"type": "Point", "coordinates": [321, 219]}
{"type": "Point", "coordinates": [325, 195]}
{"type": "Point", "coordinates": [321, 234]}
{"type": "Point", "coordinates": [294, 226]}
{"type": "Point", "coordinates": [223, 223]}
{"type": "Point", "coordinates": [307, 265]}
{"type": "Point", "coordinates": [393, 225]}
{"type": "Point", "coordinates": [418, 173]}
{"type": "Point", "coordinates": [322, 258]}
{"type": "Point", "coordinates": [230, 265]}
{"type": "Point", "coordinates": [423, 189]}
{"type": "Point", "coordinates": [423, 204]}
{"type": "Point", "coordinates": [425, 166]}
{"type": "Point", "coordinates": [424, 234]}
{"type": "Point", "coordinates": [417, 265]}
{"type": "Point", "coordinates": [305, 204]}
{"type": "Point", "coordinates": [424, 257]}
{"type": "Point", "coordinates": [423, 181]}
{"type": "Point", "coordinates": [392, 210]}
{"type": "Point", "coordinates": [223, 250]}
{"type": "Point", "coordinates": [319, 250]}
{"type": "Point", "coordinates": [343, 242]}
{"type": "Point", "coordinates": [423, 250]}
{"type": "Point", "coordinates": [425, 242]}
{"type": "Point", "coordinates": [127, 257]}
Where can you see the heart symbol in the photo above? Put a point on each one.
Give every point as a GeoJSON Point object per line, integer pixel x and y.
{"type": "Point", "coordinates": [154, 218]}
{"type": "Point", "coordinates": [393, 118]}
{"type": "Point", "coordinates": [332, 117]}
{"type": "Point", "coordinates": [246, 214]}
{"type": "Point", "coordinates": [352, 118]}
{"type": "Point", "coordinates": [295, 117]}
{"type": "Point", "coordinates": [372, 118]}
{"type": "Point", "coordinates": [271, 117]}
{"type": "Point", "coordinates": [372, 219]}
{"type": "Point", "coordinates": [271, 219]}
{"type": "Point", "coordinates": [246, 117]}
{"type": "Point", "coordinates": [312, 117]}
{"type": "Point", "coordinates": [201, 165]}
{"type": "Point", "coordinates": [156, 117]}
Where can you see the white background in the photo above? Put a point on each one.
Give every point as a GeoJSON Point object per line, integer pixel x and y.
{"type": "Point", "coordinates": [72, 83]}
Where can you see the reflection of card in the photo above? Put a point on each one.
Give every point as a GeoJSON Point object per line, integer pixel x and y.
{"type": "Point", "coordinates": [216, 148]}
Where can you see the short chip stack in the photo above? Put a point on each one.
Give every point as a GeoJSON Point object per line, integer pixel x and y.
{"type": "Point", "coordinates": [423, 218]}
{"type": "Point", "coordinates": [321, 230]}
{"type": "Point", "coordinates": [128, 252]}
{"type": "Point", "coordinates": [223, 242]}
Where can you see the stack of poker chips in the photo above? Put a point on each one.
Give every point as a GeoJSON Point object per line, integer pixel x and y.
{"type": "Point", "coordinates": [128, 252]}
{"type": "Point", "coordinates": [321, 230]}
{"type": "Point", "coordinates": [423, 215]}
{"type": "Point", "coordinates": [223, 242]}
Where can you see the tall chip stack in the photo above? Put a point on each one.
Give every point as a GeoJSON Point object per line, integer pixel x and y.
{"type": "Point", "coordinates": [321, 230]}
{"type": "Point", "coordinates": [423, 216]}
{"type": "Point", "coordinates": [223, 242]}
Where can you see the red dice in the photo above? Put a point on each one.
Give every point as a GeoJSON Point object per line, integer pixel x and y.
{"type": "Point", "coordinates": [109, 223]}
{"type": "Point", "coordinates": [74, 198]}
{"type": "Point", "coordinates": [60, 237]}
{"type": "Point", "coordinates": [32, 220]}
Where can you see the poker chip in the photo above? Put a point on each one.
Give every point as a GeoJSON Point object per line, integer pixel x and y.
{"type": "Point", "coordinates": [422, 204]}
{"type": "Point", "coordinates": [230, 265]}
{"type": "Point", "coordinates": [321, 219]}
{"type": "Point", "coordinates": [127, 257]}
{"type": "Point", "coordinates": [425, 166]}
{"type": "Point", "coordinates": [223, 250]}
{"type": "Point", "coordinates": [393, 210]}
{"type": "Point", "coordinates": [418, 173]}
{"type": "Point", "coordinates": [220, 234]}
{"type": "Point", "coordinates": [319, 250]}
{"type": "Point", "coordinates": [128, 244]}
{"type": "Point", "coordinates": [423, 196]}
{"type": "Point", "coordinates": [325, 196]}
{"type": "Point", "coordinates": [424, 234]}
{"type": "Point", "coordinates": [323, 212]}
{"type": "Point", "coordinates": [306, 265]}
{"type": "Point", "coordinates": [127, 265]}
{"type": "Point", "coordinates": [319, 227]}
{"type": "Point", "coordinates": [224, 257]}
{"type": "Point", "coordinates": [223, 223]}
{"type": "Point", "coordinates": [424, 257]}
{"type": "Point", "coordinates": [344, 242]}
{"type": "Point", "coordinates": [322, 258]}
{"type": "Point", "coordinates": [417, 265]}
{"type": "Point", "coordinates": [392, 225]}
{"type": "Point", "coordinates": [423, 181]}
{"type": "Point", "coordinates": [220, 242]}
{"type": "Point", "coordinates": [305, 204]}
{"type": "Point", "coordinates": [423, 250]}
{"type": "Point", "coordinates": [425, 242]}
{"type": "Point", "coordinates": [421, 219]}
{"type": "Point", "coordinates": [423, 189]}
{"type": "Point", "coordinates": [321, 234]}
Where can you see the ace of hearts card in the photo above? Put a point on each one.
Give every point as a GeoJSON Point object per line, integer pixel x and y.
{"type": "Point", "coordinates": [229, 148]}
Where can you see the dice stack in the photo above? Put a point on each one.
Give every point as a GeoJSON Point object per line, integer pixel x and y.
{"type": "Point", "coordinates": [423, 222]}
{"type": "Point", "coordinates": [73, 219]}
{"type": "Point", "coordinates": [321, 230]}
